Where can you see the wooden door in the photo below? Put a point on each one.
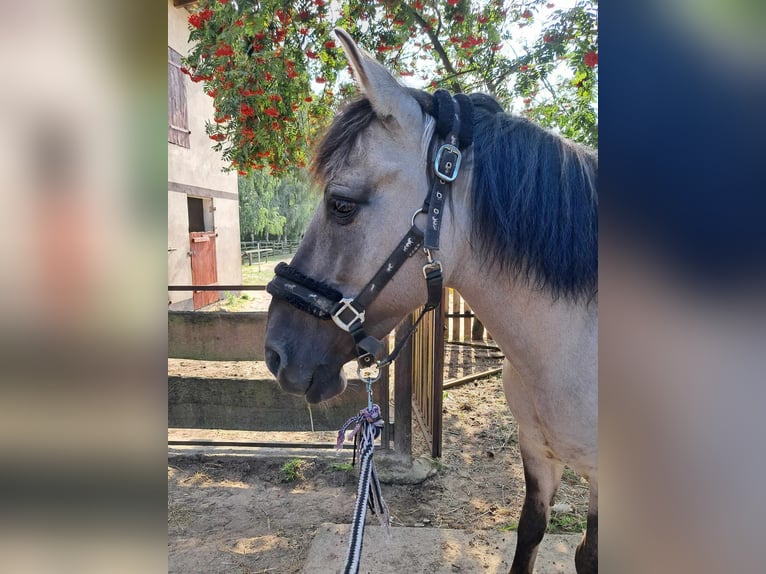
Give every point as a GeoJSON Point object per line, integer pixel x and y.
{"type": "Point", "coordinates": [203, 266]}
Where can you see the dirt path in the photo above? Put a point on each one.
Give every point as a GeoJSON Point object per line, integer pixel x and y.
{"type": "Point", "coordinates": [261, 514]}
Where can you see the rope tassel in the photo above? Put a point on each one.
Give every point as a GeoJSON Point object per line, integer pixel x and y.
{"type": "Point", "coordinates": [368, 494]}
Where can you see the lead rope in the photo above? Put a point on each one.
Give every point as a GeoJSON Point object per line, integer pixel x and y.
{"type": "Point", "coordinates": [367, 425]}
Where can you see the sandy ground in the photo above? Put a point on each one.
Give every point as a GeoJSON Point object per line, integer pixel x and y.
{"type": "Point", "coordinates": [260, 514]}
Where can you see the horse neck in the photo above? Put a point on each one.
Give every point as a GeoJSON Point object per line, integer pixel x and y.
{"type": "Point", "coordinates": [527, 324]}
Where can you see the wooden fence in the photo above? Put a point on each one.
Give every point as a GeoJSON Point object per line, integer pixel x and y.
{"type": "Point", "coordinates": [427, 373]}
{"type": "Point", "coordinates": [255, 404]}
{"type": "Point", "coordinates": [280, 247]}
{"type": "Point", "coordinates": [453, 324]}
{"type": "Point", "coordinates": [259, 405]}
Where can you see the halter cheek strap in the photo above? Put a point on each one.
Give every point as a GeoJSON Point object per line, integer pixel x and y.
{"type": "Point", "coordinates": [348, 314]}
{"type": "Point", "coordinates": [454, 124]}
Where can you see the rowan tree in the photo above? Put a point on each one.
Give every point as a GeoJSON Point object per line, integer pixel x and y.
{"type": "Point", "coordinates": [276, 73]}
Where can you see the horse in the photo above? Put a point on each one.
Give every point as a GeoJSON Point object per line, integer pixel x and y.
{"type": "Point", "coordinates": [518, 240]}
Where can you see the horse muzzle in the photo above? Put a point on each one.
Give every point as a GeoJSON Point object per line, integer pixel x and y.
{"type": "Point", "coordinates": [318, 384]}
{"type": "Point", "coordinates": [304, 354]}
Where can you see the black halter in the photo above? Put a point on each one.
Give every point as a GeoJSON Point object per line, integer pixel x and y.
{"type": "Point", "coordinates": [454, 125]}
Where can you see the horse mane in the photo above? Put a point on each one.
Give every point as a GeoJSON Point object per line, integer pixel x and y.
{"type": "Point", "coordinates": [535, 202]}
{"type": "Point", "coordinates": [534, 195]}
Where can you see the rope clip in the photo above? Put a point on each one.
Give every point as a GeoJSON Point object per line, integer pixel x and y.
{"type": "Point", "coordinates": [432, 264]}
{"type": "Point", "coordinates": [369, 375]}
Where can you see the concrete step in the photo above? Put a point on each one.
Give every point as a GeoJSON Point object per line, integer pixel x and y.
{"type": "Point", "coordinates": [435, 551]}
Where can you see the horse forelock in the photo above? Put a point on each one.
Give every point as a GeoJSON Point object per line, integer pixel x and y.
{"type": "Point", "coordinates": [342, 136]}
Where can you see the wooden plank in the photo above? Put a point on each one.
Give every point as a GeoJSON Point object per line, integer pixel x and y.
{"type": "Point", "coordinates": [258, 444]}
{"type": "Point", "coordinates": [477, 331]}
{"type": "Point", "coordinates": [454, 308]}
{"type": "Point", "coordinates": [381, 396]}
{"type": "Point", "coordinates": [438, 378]}
{"type": "Point", "coordinates": [217, 336]}
{"type": "Point", "coordinates": [467, 319]}
{"type": "Point", "coordinates": [216, 287]}
{"type": "Point", "coordinates": [403, 395]}
{"type": "Point", "coordinates": [469, 378]}
{"type": "Point", "coordinates": [256, 405]}
{"type": "Point", "coordinates": [197, 191]}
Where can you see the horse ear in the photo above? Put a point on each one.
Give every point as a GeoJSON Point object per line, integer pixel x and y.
{"type": "Point", "coordinates": [387, 96]}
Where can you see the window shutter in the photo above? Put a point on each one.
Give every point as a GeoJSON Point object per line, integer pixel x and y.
{"type": "Point", "coordinates": [178, 117]}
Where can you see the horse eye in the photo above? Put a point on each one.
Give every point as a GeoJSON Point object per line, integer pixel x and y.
{"type": "Point", "coordinates": [342, 209]}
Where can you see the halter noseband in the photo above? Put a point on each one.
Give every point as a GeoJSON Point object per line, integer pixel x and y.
{"type": "Point", "coordinates": [454, 124]}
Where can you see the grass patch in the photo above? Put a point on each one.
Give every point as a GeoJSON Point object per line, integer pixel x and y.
{"type": "Point", "coordinates": [558, 524]}
{"type": "Point", "coordinates": [570, 475]}
{"type": "Point", "coordinates": [292, 470]}
{"type": "Point", "coordinates": [343, 466]}
{"type": "Point", "coordinates": [438, 464]}
{"type": "Point", "coordinates": [251, 275]}
{"type": "Point", "coordinates": [231, 302]}
{"type": "Point", "coordinates": [566, 524]}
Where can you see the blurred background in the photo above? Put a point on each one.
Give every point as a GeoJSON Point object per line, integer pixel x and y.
{"type": "Point", "coordinates": [82, 240]}
{"type": "Point", "coordinates": [82, 405]}
{"type": "Point", "coordinates": [681, 277]}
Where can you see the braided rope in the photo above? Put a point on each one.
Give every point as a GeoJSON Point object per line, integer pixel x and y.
{"type": "Point", "coordinates": [368, 493]}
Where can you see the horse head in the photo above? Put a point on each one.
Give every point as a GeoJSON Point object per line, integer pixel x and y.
{"type": "Point", "coordinates": [372, 166]}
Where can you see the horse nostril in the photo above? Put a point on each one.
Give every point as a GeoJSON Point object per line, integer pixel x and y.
{"type": "Point", "coordinates": [273, 360]}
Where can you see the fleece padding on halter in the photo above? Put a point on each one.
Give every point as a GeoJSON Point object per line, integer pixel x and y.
{"type": "Point", "coordinates": [466, 120]}
{"type": "Point", "coordinates": [444, 112]}
{"type": "Point", "coordinates": [303, 292]}
{"type": "Point", "coordinates": [292, 274]}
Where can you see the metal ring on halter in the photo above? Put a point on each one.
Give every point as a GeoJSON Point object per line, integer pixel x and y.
{"type": "Point", "coordinates": [368, 374]}
{"type": "Point", "coordinates": [418, 211]}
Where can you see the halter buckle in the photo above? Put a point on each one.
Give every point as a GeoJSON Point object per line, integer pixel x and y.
{"type": "Point", "coordinates": [346, 304]}
{"type": "Point", "coordinates": [451, 163]}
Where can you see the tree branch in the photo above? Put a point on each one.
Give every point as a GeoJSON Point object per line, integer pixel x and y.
{"type": "Point", "coordinates": [547, 84]}
{"type": "Point", "coordinates": [428, 29]}
{"type": "Point", "coordinates": [452, 77]}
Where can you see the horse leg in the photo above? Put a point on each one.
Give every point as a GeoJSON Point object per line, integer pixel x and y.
{"type": "Point", "coordinates": [542, 474]}
{"type": "Point", "coordinates": [586, 557]}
